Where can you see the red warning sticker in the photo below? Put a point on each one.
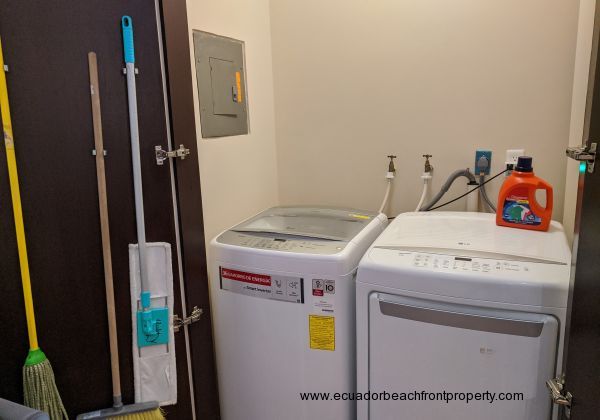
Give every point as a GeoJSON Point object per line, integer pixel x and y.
{"type": "Point", "coordinates": [245, 277]}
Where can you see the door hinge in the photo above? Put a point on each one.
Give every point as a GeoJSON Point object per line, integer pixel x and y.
{"type": "Point", "coordinates": [585, 154]}
{"type": "Point", "coordinates": [559, 397]}
{"type": "Point", "coordinates": [194, 317]}
{"type": "Point", "coordinates": [162, 155]}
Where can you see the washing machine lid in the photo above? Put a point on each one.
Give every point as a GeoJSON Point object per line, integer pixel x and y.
{"type": "Point", "coordinates": [466, 256]}
{"type": "Point", "coordinates": [475, 235]}
{"type": "Point", "coordinates": [308, 222]}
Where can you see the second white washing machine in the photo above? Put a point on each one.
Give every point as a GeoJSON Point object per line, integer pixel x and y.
{"type": "Point", "coordinates": [460, 319]}
{"type": "Point", "coordinates": [282, 299]}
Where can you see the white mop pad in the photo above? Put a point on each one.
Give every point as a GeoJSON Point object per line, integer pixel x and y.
{"type": "Point", "coordinates": [154, 369]}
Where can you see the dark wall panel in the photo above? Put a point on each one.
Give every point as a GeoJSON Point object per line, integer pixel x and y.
{"type": "Point", "coordinates": [46, 45]}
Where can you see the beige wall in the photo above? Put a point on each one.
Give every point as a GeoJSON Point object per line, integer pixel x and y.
{"type": "Point", "coordinates": [356, 81]}
{"type": "Point", "coordinates": [580, 85]}
{"type": "Point", "coordinates": [239, 174]}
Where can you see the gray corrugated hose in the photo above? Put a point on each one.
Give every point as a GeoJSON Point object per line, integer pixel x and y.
{"type": "Point", "coordinates": [484, 194]}
{"type": "Point", "coordinates": [455, 175]}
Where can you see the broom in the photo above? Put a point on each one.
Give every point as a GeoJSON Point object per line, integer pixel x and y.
{"type": "Point", "coordinates": [39, 387]}
{"type": "Point", "coordinates": [141, 411]}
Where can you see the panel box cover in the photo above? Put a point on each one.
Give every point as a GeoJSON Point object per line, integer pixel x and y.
{"type": "Point", "coordinates": [221, 83]}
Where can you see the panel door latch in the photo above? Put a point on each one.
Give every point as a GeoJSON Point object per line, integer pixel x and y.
{"type": "Point", "coordinates": [194, 317]}
{"type": "Point", "coordinates": [585, 154]}
{"type": "Point", "coordinates": [556, 387]}
{"type": "Point", "coordinates": [162, 155]}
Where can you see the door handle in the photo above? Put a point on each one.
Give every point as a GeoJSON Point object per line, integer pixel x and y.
{"type": "Point", "coordinates": [451, 318]}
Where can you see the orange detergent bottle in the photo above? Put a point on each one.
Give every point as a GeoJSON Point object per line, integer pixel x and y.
{"type": "Point", "coordinates": [517, 206]}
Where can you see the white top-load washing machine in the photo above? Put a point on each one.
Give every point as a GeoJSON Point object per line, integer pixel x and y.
{"type": "Point", "coordinates": [461, 318]}
{"type": "Point", "coordinates": [282, 300]}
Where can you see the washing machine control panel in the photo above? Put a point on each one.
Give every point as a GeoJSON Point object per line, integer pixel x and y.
{"type": "Point", "coordinates": [284, 243]}
{"type": "Point", "coordinates": [461, 264]}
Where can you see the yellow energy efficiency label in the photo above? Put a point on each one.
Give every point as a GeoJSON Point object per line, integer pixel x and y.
{"type": "Point", "coordinates": [322, 332]}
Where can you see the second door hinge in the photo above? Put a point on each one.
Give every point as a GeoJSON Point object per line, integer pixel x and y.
{"type": "Point", "coordinates": [194, 317]}
{"type": "Point", "coordinates": [585, 154]}
{"type": "Point", "coordinates": [162, 155]}
{"type": "Point", "coordinates": [558, 395]}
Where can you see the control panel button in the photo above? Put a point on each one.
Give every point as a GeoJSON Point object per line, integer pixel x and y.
{"type": "Point", "coordinates": [459, 264]}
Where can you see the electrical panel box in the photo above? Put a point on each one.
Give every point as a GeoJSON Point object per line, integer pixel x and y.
{"type": "Point", "coordinates": [221, 83]}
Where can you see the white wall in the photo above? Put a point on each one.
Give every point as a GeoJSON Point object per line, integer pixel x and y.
{"type": "Point", "coordinates": [238, 174]}
{"type": "Point", "coordinates": [356, 81]}
{"type": "Point", "coordinates": [580, 86]}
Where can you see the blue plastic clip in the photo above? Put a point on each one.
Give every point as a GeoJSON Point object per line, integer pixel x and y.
{"type": "Point", "coordinates": [145, 298]}
{"type": "Point", "coordinates": [152, 327]}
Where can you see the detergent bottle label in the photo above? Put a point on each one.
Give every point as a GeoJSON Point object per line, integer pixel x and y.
{"type": "Point", "coordinates": [517, 209]}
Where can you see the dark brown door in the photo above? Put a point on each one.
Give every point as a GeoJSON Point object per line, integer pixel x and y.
{"type": "Point", "coordinates": [183, 129]}
{"type": "Point", "coordinates": [45, 46]}
{"type": "Point", "coordinates": [582, 365]}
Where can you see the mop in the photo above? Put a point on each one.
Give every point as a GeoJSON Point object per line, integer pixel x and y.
{"type": "Point", "coordinates": [39, 387]}
{"type": "Point", "coordinates": [152, 323]}
{"type": "Point", "coordinates": [145, 410]}
{"type": "Point", "coordinates": [154, 369]}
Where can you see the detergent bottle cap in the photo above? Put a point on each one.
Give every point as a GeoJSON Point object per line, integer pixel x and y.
{"type": "Point", "coordinates": [524, 164]}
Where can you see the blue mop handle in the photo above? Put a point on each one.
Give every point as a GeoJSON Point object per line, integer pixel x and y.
{"type": "Point", "coordinates": [127, 26]}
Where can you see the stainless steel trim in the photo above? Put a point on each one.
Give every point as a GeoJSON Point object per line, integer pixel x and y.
{"type": "Point", "coordinates": [462, 320]}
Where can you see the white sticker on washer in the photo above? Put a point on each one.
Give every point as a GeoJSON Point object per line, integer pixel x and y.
{"type": "Point", "coordinates": [267, 286]}
{"type": "Point", "coordinates": [323, 292]}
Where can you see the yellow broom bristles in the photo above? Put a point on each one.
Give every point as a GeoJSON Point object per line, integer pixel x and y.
{"type": "Point", "coordinates": [156, 414]}
{"type": "Point", "coordinates": [40, 390]}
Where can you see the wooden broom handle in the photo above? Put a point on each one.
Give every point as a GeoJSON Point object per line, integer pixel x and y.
{"type": "Point", "coordinates": [104, 225]}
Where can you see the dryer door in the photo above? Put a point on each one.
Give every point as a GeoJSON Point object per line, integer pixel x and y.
{"type": "Point", "coordinates": [458, 362]}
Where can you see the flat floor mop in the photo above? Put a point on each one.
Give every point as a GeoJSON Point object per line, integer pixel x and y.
{"type": "Point", "coordinates": [152, 323]}
{"type": "Point", "coordinates": [39, 387]}
{"type": "Point", "coordinates": [145, 410]}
